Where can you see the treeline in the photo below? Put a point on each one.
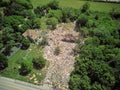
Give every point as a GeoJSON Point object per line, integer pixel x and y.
{"type": "Point", "coordinates": [98, 64]}
{"type": "Point", "coordinates": [16, 16]}
{"type": "Point", "coordinates": [55, 14]}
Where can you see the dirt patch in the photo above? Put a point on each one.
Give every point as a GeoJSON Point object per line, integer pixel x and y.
{"type": "Point", "coordinates": [61, 65]}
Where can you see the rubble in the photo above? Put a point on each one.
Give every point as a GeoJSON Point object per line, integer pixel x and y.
{"type": "Point", "coordinates": [61, 66]}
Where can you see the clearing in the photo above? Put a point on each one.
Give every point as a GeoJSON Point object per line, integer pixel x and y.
{"type": "Point", "coordinates": [61, 65]}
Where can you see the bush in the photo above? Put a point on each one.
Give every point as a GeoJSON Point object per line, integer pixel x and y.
{"type": "Point", "coordinates": [3, 61]}
{"type": "Point", "coordinates": [52, 22]}
{"type": "Point", "coordinates": [26, 67]}
{"type": "Point", "coordinates": [39, 63]}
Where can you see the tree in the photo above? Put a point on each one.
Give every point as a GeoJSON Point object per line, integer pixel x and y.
{"type": "Point", "coordinates": [55, 13]}
{"type": "Point", "coordinates": [115, 13]}
{"type": "Point", "coordinates": [26, 67]}
{"type": "Point", "coordinates": [97, 86]}
{"type": "Point", "coordinates": [79, 83]}
{"type": "Point", "coordinates": [82, 21]}
{"type": "Point", "coordinates": [54, 4]}
{"type": "Point", "coordinates": [52, 22]}
{"type": "Point", "coordinates": [14, 7]}
{"type": "Point", "coordinates": [39, 63]}
{"type": "Point", "coordinates": [3, 61]}
{"type": "Point", "coordinates": [7, 35]}
{"type": "Point", "coordinates": [18, 23]}
{"type": "Point", "coordinates": [41, 10]}
{"type": "Point", "coordinates": [25, 43]}
{"type": "Point", "coordinates": [37, 23]}
{"type": "Point", "coordinates": [85, 7]}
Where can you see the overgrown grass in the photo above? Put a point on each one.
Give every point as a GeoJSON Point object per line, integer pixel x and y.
{"type": "Point", "coordinates": [12, 71]}
{"type": "Point", "coordinates": [95, 6]}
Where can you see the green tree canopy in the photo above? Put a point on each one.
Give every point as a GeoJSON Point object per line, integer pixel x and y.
{"type": "Point", "coordinates": [39, 63]}
{"type": "Point", "coordinates": [3, 61]}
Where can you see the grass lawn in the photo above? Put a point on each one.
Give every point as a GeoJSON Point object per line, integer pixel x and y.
{"type": "Point", "coordinates": [14, 62]}
{"type": "Point", "coordinates": [95, 6]}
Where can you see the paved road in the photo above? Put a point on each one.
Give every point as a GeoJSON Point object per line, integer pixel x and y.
{"type": "Point", "coordinates": [11, 84]}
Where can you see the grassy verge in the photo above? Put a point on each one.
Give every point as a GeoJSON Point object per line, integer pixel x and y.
{"type": "Point", "coordinates": [95, 6]}
{"type": "Point", "coordinates": [12, 71]}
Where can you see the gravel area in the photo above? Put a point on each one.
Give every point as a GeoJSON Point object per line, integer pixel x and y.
{"type": "Point", "coordinates": [61, 65]}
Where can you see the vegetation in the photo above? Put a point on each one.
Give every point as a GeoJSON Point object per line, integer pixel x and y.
{"type": "Point", "coordinates": [26, 67]}
{"type": "Point", "coordinates": [77, 4]}
{"type": "Point", "coordinates": [96, 68]}
{"type": "Point", "coordinates": [39, 63]}
{"type": "Point", "coordinates": [98, 65]}
{"type": "Point", "coordinates": [15, 61]}
{"type": "Point", "coordinates": [3, 61]}
{"type": "Point", "coordinates": [25, 44]}
{"type": "Point", "coordinates": [16, 17]}
{"type": "Point", "coordinates": [52, 22]}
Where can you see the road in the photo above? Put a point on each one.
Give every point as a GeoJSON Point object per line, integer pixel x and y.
{"type": "Point", "coordinates": [11, 84]}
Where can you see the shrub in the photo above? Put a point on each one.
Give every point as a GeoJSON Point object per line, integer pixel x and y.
{"type": "Point", "coordinates": [3, 61]}
{"type": "Point", "coordinates": [26, 67]}
{"type": "Point", "coordinates": [52, 22]}
{"type": "Point", "coordinates": [39, 63]}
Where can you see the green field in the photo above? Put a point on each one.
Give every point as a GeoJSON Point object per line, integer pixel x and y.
{"type": "Point", "coordinates": [96, 6]}
{"type": "Point", "coordinates": [12, 71]}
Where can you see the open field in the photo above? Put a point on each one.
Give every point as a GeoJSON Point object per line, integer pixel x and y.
{"type": "Point", "coordinates": [96, 6]}
{"type": "Point", "coordinates": [14, 64]}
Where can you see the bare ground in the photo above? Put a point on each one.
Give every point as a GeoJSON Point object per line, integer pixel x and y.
{"type": "Point", "coordinates": [61, 65]}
